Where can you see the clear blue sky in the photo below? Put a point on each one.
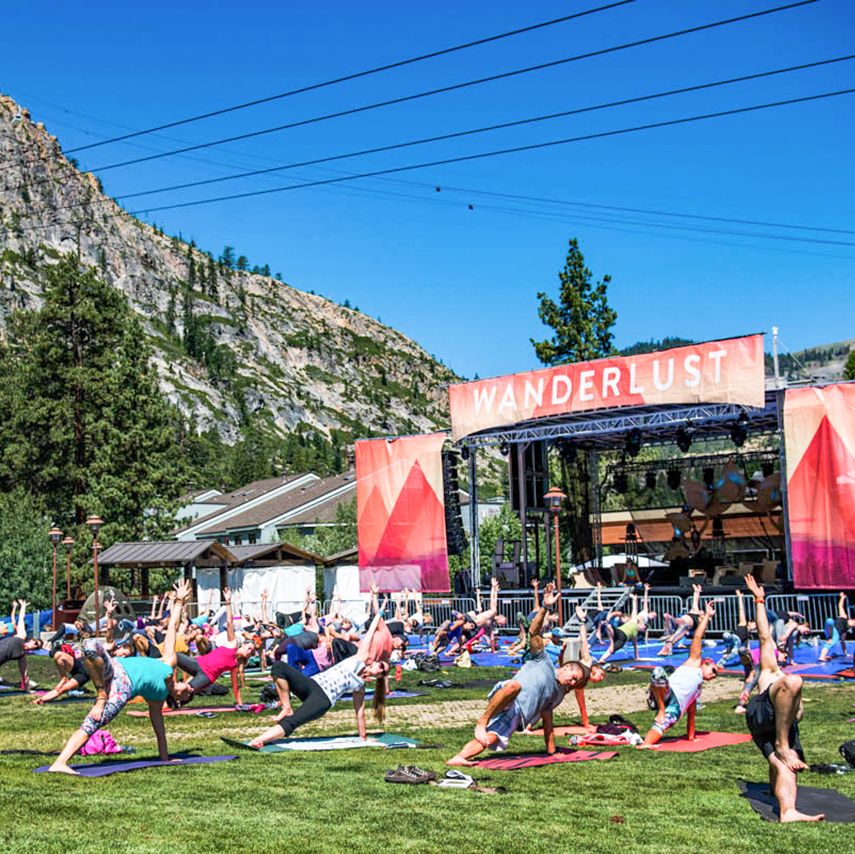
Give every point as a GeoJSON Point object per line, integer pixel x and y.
{"type": "Point", "coordinates": [463, 282]}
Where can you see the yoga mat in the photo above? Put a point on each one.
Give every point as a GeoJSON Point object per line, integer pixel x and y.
{"type": "Point", "coordinates": [703, 741]}
{"type": "Point", "coordinates": [335, 742]}
{"type": "Point", "coordinates": [189, 710]}
{"type": "Point", "coordinates": [104, 769]}
{"type": "Point", "coordinates": [536, 760]}
{"type": "Point", "coordinates": [559, 731]}
{"type": "Point", "coordinates": [837, 807]}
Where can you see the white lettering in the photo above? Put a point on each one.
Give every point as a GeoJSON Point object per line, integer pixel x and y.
{"type": "Point", "coordinates": [586, 385]}
{"type": "Point", "coordinates": [663, 386]}
{"type": "Point", "coordinates": [568, 388]}
{"type": "Point", "coordinates": [633, 388]}
{"type": "Point", "coordinates": [717, 356]}
{"type": "Point", "coordinates": [611, 379]}
{"type": "Point", "coordinates": [509, 400]}
{"type": "Point", "coordinates": [693, 377]}
{"type": "Point", "coordinates": [484, 399]}
{"type": "Point", "coordinates": [534, 394]}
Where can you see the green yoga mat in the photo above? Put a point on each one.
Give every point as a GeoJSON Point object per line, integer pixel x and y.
{"type": "Point", "coordinates": [385, 740]}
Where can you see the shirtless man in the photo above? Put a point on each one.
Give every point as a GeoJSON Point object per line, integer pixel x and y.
{"type": "Point", "coordinates": [773, 717]}
{"type": "Point", "coordinates": [533, 693]}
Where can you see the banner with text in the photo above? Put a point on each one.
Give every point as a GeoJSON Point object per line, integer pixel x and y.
{"type": "Point", "coordinates": [819, 431]}
{"type": "Point", "coordinates": [728, 371]}
{"type": "Point", "coordinates": [400, 513]}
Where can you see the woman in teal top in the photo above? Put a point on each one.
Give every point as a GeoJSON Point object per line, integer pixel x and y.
{"type": "Point", "coordinates": [118, 681]}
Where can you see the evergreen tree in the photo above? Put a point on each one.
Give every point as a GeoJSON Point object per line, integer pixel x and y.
{"type": "Point", "coordinates": [582, 322]}
{"type": "Point", "coordinates": [582, 319]}
{"type": "Point", "coordinates": [849, 369]}
{"type": "Point", "coordinates": [227, 259]}
{"type": "Point", "coordinates": [81, 417]}
{"type": "Point", "coordinates": [243, 263]}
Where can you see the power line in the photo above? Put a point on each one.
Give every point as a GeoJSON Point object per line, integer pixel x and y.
{"type": "Point", "coordinates": [455, 86]}
{"type": "Point", "coordinates": [504, 151]}
{"type": "Point", "coordinates": [357, 75]}
{"type": "Point", "coordinates": [473, 131]}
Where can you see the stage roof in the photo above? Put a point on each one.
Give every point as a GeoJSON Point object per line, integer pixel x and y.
{"type": "Point", "coordinates": [606, 429]}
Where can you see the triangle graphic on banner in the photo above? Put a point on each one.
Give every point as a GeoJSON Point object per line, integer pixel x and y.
{"type": "Point", "coordinates": [370, 526]}
{"type": "Point", "coordinates": [821, 491]}
{"type": "Point", "coordinates": [417, 515]}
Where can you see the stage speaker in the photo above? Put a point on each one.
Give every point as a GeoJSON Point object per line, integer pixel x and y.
{"type": "Point", "coordinates": [536, 461]}
{"type": "Point", "coordinates": [455, 536]}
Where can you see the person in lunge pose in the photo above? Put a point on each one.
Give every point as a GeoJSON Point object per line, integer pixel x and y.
{"type": "Point", "coordinates": [118, 681]}
{"type": "Point", "coordinates": [16, 646]}
{"type": "Point", "coordinates": [680, 626]}
{"type": "Point", "coordinates": [773, 717]}
{"type": "Point", "coordinates": [678, 694]}
{"type": "Point", "coordinates": [319, 693]}
{"type": "Point", "coordinates": [533, 693]}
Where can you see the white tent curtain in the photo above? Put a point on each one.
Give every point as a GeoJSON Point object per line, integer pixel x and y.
{"type": "Point", "coordinates": [286, 587]}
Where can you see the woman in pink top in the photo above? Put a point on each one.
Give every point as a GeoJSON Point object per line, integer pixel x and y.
{"type": "Point", "coordinates": [231, 656]}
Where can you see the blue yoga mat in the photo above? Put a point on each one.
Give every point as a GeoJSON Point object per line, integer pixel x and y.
{"type": "Point", "coordinates": [104, 769]}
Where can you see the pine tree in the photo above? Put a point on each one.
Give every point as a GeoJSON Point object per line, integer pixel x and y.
{"type": "Point", "coordinates": [80, 408]}
{"type": "Point", "coordinates": [582, 320]}
{"type": "Point", "coordinates": [849, 369]}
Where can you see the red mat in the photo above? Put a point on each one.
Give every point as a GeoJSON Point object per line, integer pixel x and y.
{"type": "Point", "coordinates": [535, 760]}
{"type": "Point", "coordinates": [703, 741]}
{"type": "Point", "coordinates": [168, 713]}
{"type": "Point", "coordinates": [559, 730]}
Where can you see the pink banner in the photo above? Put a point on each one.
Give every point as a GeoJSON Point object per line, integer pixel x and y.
{"type": "Point", "coordinates": [400, 511]}
{"type": "Point", "coordinates": [728, 371]}
{"type": "Point", "coordinates": [819, 429]}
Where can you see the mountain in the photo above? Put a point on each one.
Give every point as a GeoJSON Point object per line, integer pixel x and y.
{"type": "Point", "coordinates": [820, 363]}
{"type": "Point", "coordinates": [229, 343]}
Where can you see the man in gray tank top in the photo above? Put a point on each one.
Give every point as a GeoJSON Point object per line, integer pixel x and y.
{"type": "Point", "coordinates": [531, 695]}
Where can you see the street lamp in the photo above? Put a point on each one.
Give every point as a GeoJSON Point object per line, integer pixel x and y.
{"type": "Point", "coordinates": [94, 524]}
{"type": "Point", "coordinates": [68, 542]}
{"type": "Point", "coordinates": [553, 503]}
{"type": "Point", "coordinates": [55, 536]}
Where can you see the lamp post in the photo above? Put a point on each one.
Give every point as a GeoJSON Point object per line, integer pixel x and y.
{"type": "Point", "coordinates": [553, 503]}
{"type": "Point", "coordinates": [68, 542]}
{"type": "Point", "coordinates": [55, 536]}
{"type": "Point", "coordinates": [94, 523]}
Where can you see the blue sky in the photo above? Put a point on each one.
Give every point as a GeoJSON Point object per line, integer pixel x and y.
{"type": "Point", "coordinates": [463, 282]}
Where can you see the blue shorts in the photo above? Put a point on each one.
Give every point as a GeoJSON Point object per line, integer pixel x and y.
{"type": "Point", "coordinates": [673, 713]}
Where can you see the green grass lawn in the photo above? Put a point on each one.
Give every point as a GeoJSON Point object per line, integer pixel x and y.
{"type": "Point", "coordinates": [338, 801]}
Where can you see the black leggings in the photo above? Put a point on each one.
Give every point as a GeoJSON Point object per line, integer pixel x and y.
{"type": "Point", "coordinates": [190, 665]}
{"type": "Point", "coordinates": [314, 702]}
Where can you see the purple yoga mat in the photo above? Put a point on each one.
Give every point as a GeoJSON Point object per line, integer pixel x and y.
{"type": "Point", "coordinates": [104, 769]}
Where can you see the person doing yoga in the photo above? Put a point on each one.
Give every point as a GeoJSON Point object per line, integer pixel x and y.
{"type": "Point", "coordinates": [117, 682]}
{"type": "Point", "coordinates": [773, 717]}
{"type": "Point", "coordinates": [678, 694]}
{"type": "Point", "coordinates": [319, 693]}
{"type": "Point", "coordinates": [627, 630]}
{"type": "Point", "coordinates": [206, 669]}
{"type": "Point", "coordinates": [680, 626]}
{"type": "Point", "coordinates": [16, 647]}
{"type": "Point", "coordinates": [532, 694]}
{"type": "Point", "coordinates": [595, 673]}
{"type": "Point", "coordinates": [72, 673]}
{"type": "Point", "coordinates": [837, 628]}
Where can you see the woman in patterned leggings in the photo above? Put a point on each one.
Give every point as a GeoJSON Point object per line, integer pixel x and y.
{"type": "Point", "coordinates": [117, 682]}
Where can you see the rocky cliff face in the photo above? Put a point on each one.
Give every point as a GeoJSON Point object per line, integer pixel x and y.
{"type": "Point", "coordinates": [257, 345]}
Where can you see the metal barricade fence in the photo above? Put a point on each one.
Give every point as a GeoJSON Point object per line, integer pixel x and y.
{"type": "Point", "coordinates": [440, 608]}
{"type": "Point", "coordinates": [817, 607]}
{"type": "Point", "coordinates": [726, 611]}
{"type": "Point", "coordinates": [664, 605]}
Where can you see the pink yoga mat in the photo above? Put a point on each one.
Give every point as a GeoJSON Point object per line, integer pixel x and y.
{"type": "Point", "coordinates": [535, 760]}
{"type": "Point", "coordinates": [703, 741]}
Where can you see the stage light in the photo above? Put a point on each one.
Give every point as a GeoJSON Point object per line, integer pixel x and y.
{"type": "Point", "coordinates": [650, 479]}
{"type": "Point", "coordinates": [709, 477]}
{"type": "Point", "coordinates": [504, 450]}
{"type": "Point", "coordinates": [633, 442]}
{"type": "Point", "coordinates": [767, 468]}
{"type": "Point", "coordinates": [621, 482]}
{"type": "Point", "coordinates": [675, 478]}
{"type": "Point", "coordinates": [718, 528]}
{"type": "Point", "coordinates": [739, 430]}
{"type": "Point", "coordinates": [684, 437]}
{"type": "Point", "coordinates": [464, 452]}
